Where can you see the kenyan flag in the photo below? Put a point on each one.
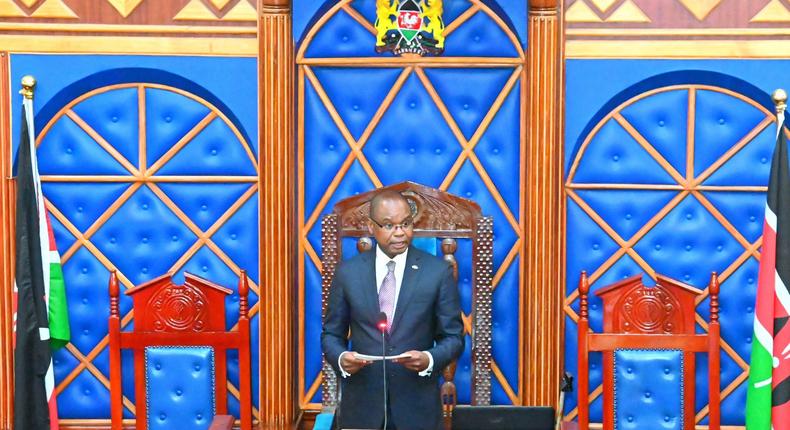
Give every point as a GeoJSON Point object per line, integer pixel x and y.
{"type": "Point", "coordinates": [768, 396]}
{"type": "Point", "coordinates": [39, 302]}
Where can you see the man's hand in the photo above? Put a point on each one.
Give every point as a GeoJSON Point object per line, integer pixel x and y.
{"type": "Point", "coordinates": [350, 363]}
{"type": "Point", "coordinates": [417, 361]}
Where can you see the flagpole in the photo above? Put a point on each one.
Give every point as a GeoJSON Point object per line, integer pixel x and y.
{"type": "Point", "coordinates": [779, 97]}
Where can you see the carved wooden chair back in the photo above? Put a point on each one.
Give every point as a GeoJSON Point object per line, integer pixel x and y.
{"type": "Point", "coordinates": [648, 344]}
{"type": "Point", "coordinates": [438, 215]}
{"type": "Point", "coordinates": [180, 344]}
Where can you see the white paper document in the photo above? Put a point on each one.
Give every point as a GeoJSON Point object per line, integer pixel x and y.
{"type": "Point", "coordinates": [378, 357]}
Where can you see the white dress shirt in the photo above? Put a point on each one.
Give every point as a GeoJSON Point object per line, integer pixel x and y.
{"type": "Point", "coordinates": [381, 272]}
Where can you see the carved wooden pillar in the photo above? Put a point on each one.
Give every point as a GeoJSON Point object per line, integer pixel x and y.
{"type": "Point", "coordinates": [544, 212]}
{"type": "Point", "coordinates": [277, 216]}
{"type": "Point", "coordinates": [6, 252]}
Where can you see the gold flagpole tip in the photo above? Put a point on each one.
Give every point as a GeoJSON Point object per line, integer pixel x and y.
{"type": "Point", "coordinates": [779, 97]}
{"type": "Point", "coordinates": [28, 84]}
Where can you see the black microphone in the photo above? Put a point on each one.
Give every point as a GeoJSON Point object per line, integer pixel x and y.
{"type": "Point", "coordinates": [382, 326]}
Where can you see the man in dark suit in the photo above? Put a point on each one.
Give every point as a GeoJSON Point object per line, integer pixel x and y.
{"type": "Point", "coordinates": [418, 293]}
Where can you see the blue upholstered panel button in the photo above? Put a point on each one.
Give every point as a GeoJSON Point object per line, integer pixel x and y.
{"type": "Point", "coordinates": [204, 202]}
{"type": "Point", "coordinates": [687, 255]}
{"type": "Point", "coordinates": [662, 120]}
{"type": "Point", "coordinates": [749, 166]}
{"type": "Point", "coordinates": [113, 114]}
{"type": "Point", "coordinates": [407, 137]}
{"type": "Point", "coordinates": [178, 395]}
{"type": "Point", "coordinates": [68, 150]}
{"type": "Point", "coordinates": [626, 211]}
{"type": "Point", "coordinates": [721, 121]}
{"type": "Point", "coordinates": [499, 149]}
{"type": "Point", "coordinates": [613, 156]}
{"type": "Point", "coordinates": [354, 182]}
{"type": "Point", "coordinates": [342, 36]}
{"type": "Point", "coordinates": [745, 211]}
{"type": "Point", "coordinates": [238, 238]}
{"type": "Point", "coordinates": [469, 93]}
{"type": "Point", "coordinates": [468, 184]}
{"type": "Point", "coordinates": [85, 397]}
{"type": "Point", "coordinates": [214, 151]}
{"type": "Point", "coordinates": [82, 203]}
{"type": "Point", "coordinates": [169, 117]}
{"type": "Point", "coordinates": [84, 272]}
{"type": "Point", "coordinates": [480, 36]}
{"type": "Point", "coordinates": [645, 395]}
{"type": "Point", "coordinates": [121, 237]}
{"type": "Point", "coordinates": [356, 94]}
{"type": "Point", "coordinates": [325, 149]}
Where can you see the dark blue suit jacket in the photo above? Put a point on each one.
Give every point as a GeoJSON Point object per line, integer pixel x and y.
{"type": "Point", "coordinates": [427, 318]}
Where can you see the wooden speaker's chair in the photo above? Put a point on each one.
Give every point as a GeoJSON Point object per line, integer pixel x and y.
{"type": "Point", "coordinates": [180, 348]}
{"type": "Point", "coordinates": [437, 215]}
{"type": "Point", "coordinates": [648, 345]}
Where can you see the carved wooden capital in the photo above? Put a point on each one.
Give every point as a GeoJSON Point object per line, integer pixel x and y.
{"type": "Point", "coordinates": [543, 4]}
{"type": "Point", "coordinates": [273, 6]}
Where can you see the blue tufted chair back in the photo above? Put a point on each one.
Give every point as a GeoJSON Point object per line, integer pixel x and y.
{"type": "Point", "coordinates": [439, 218]}
{"type": "Point", "coordinates": [180, 347]}
{"type": "Point", "coordinates": [648, 347]}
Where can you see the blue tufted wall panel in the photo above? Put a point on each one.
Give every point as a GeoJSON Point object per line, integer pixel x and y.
{"type": "Point", "coordinates": [136, 196]}
{"type": "Point", "coordinates": [666, 167]}
{"type": "Point", "coordinates": [370, 125]}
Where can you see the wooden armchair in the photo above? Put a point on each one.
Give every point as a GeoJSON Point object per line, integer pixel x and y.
{"type": "Point", "coordinates": [648, 344]}
{"type": "Point", "coordinates": [438, 215]}
{"type": "Point", "coordinates": [180, 354]}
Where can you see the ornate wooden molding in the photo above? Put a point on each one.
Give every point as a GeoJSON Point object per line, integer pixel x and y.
{"type": "Point", "coordinates": [219, 27]}
{"type": "Point", "coordinates": [277, 215]}
{"type": "Point", "coordinates": [543, 279]}
{"type": "Point", "coordinates": [6, 253]}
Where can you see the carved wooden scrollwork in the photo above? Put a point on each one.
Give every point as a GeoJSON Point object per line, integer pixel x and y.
{"type": "Point", "coordinates": [178, 308]}
{"type": "Point", "coordinates": [649, 310]}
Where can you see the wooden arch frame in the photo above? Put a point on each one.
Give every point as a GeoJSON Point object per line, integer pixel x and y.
{"type": "Point", "coordinates": [437, 214]}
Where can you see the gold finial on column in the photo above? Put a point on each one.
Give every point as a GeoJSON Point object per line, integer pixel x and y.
{"type": "Point", "coordinates": [29, 83]}
{"type": "Point", "coordinates": [779, 97]}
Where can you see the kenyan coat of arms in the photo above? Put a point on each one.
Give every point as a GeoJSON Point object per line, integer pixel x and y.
{"type": "Point", "coordinates": [409, 26]}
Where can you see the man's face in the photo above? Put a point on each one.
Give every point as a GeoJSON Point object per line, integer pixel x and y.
{"type": "Point", "coordinates": [392, 226]}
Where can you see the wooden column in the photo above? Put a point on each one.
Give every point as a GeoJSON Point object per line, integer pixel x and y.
{"type": "Point", "coordinates": [542, 295]}
{"type": "Point", "coordinates": [277, 216]}
{"type": "Point", "coordinates": [6, 250]}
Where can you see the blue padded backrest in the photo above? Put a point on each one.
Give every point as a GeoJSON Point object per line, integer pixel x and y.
{"type": "Point", "coordinates": [179, 384]}
{"type": "Point", "coordinates": [648, 389]}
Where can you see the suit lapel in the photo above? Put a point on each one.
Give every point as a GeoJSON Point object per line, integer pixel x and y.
{"type": "Point", "coordinates": [368, 283]}
{"type": "Point", "coordinates": [408, 287]}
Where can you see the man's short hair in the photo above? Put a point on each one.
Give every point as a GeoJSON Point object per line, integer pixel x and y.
{"type": "Point", "coordinates": [383, 196]}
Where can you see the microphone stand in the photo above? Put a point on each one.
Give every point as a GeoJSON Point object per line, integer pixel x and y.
{"type": "Point", "coordinates": [382, 325]}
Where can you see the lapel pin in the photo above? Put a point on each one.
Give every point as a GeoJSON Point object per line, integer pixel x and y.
{"type": "Point", "coordinates": [415, 267]}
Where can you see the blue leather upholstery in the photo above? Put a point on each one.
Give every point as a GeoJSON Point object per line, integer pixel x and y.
{"type": "Point", "coordinates": [179, 384]}
{"type": "Point", "coordinates": [648, 389]}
